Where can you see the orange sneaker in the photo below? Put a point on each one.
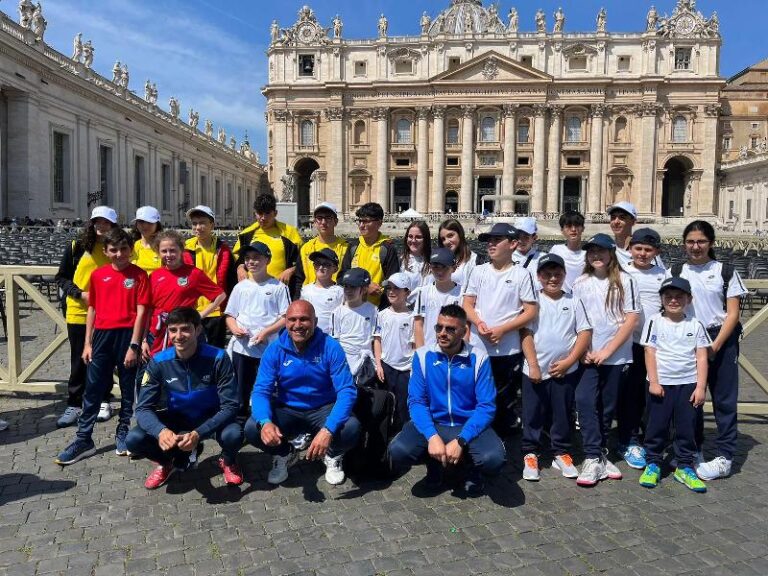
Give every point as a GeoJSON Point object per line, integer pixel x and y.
{"type": "Point", "coordinates": [531, 467]}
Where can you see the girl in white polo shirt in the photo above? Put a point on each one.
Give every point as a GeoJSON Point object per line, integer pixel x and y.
{"type": "Point", "coordinates": [612, 303]}
{"type": "Point", "coordinates": [716, 289]}
{"type": "Point", "coordinates": [451, 235]}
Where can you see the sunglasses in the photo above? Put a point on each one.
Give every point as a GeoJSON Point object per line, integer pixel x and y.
{"type": "Point", "coordinates": [442, 327]}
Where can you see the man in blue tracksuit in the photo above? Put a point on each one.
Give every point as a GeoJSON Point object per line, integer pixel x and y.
{"type": "Point", "coordinates": [452, 400]}
{"type": "Point", "coordinates": [304, 386]}
{"type": "Point", "coordinates": [188, 393]}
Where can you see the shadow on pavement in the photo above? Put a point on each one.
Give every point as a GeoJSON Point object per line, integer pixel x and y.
{"type": "Point", "coordinates": [17, 486]}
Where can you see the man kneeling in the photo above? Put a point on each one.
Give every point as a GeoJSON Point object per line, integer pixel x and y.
{"type": "Point", "coordinates": [452, 400]}
{"type": "Point", "coordinates": [304, 386]}
{"type": "Point", "coordinates": [188, 393]}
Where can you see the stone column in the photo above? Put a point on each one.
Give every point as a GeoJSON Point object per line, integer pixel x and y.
{"type": "Point", "coordinates": [645, 191]}
{"type": "Point", "coordinates": [336, 180]}
{"type": "Point", "coordinates": [553, 170]}
{"type": "Point", "coordinates": [422, 162]}
{"type": "Point", "coordinates": [280, 148]}
{"type": "Point", "coordinates": [594, 197]}
{"type": "Point", "coordinates": [437, 203]}
{"type": "Point", "coordinates": [24, 187]}
{"type": "Point", "coordinates": [467, 154]}
{"type": "Point", "coordinates": [413, 192]}
{"type": "Point", "coordinates": [539, 158]}
{"type": "Point", "coordinates": [510, 159]}
{"type": "Point", "coordinates": [381, 115]}
{"type": "Point", "coordinates": [391, 195]}
{"type": "Point", "coordinates": [704, 203]}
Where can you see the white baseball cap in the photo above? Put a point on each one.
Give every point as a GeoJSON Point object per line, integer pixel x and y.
{"type": "Point", "coordinates": [627, 207]}
{"type": "Point", "coordinates": [200, 208]}
{"type": "Point", "coordinates": [326, 206]}
{"type": "Point", "coordinates": [147, 214]}
{"type": "Point", "coordinates": [527, 224]}
{"type": "Point", "coordinates": [398, 280]}
{"type": "Point", "coordinates": [104, 212]}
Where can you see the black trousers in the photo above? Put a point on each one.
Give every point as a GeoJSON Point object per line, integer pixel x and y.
{"type": "Point", "coordinates": [77, 368]}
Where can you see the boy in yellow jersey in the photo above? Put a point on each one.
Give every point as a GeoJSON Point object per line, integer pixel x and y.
{"type": "Point", "coordinates": [282, 239]}
{"type": "Point", "coordinates": [326, 217]}
{"type": "Point", "coordinates": [372, 251]}
{"type": "Point", "coordinates": [213, 256]}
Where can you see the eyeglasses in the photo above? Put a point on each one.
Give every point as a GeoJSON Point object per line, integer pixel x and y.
{"type": "Point", "coordinates": [323, 264]}
{"type": "Point", "coordinates": [449, 329]}
{"type": "Point", "coordinates": [696, 242]}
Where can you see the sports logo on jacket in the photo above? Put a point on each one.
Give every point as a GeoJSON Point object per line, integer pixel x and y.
{"type": "Point", "coordinates": [183, 281]}
{"type": "Point", "coordinates": [287, 363]}
{"type": "Point", "coordinates": [129, 283]}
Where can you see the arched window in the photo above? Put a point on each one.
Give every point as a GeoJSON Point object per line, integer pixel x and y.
{"type": "Point", "coordinates": [307, 137]}
{"type": "Point", "coordinates": [680, 129]}
{"type": "Point", "coordinates": [488, 129]}
{"type": "Point", "coordinates": [403, 131]}
{"type": "Point", "coordinates": [452, 136]}
{"type": "Point", "coordinates": [573, 129]}
{"type": "Point", "coordinates": [620, 129]}
{"type": "Point", "coordinates": [523, 130]}
{"type": "Point", "coordinates": [360, 137]}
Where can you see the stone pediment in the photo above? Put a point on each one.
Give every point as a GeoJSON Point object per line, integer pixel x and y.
{"type": "Point", "coordinates": [492, 67]}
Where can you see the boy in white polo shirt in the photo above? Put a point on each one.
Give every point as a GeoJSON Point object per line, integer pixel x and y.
{"type": "Point", "coordinates": [574, 256]}
{"type": "Point", "coordinates": [431, 297]}
{"type": "Point", "coordinates": [527, 253]}
{"type": "Point", "coordinates": [552, 345]}
{"type": "Point", "coordinates": [499, 299]}
{"type": "Point", "coordinates": [676, 349]}
{"type": "Point", "coordinates": [324, 294]}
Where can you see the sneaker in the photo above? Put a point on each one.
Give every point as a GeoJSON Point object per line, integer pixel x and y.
{"type": "Point", "coordinates": [232, 474]}
{"type": "Point", "coordinates": [688, 477]}
{"type": "Point", "coordinates": [564, 463]}
{"type": "Point", "coordinates": [720, 467]}
{"type": "Point", "coordinates": [610, 468]}
{"type": "Point", "coordinates": [70, 416]}
{"type": "Point", "coordinates": [301, 442]}
{"type": "Point", "coordinates": [3, 425]}
{"type": "Point", "coordinates": [78, 450]}
{"type": "Point", "coordinates": [159, 476]}
{"type": "Point", "coordinates": [334, 473]}
{"type": "Point", "coordinates": [634, 456]}
{"type": "Point", "coordinates": [105, 412]}
{"type": "Point", "coordinates": [651, 476]}
{"type": "Point", "coordinates": [531, 468]}
{"type": "Point", "coordinates": [592, 471]}
{"type": "Point", "coordinates": [280, 465]}
{"type": "Point", "coordinates": [120, 447]}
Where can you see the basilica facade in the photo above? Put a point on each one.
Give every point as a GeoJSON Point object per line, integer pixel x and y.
{"type": "Point", "coordinates": [508, 112]}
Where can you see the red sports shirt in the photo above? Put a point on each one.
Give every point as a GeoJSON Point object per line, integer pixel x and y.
{"type": "Point", "coordinates": [115, 294]}
{"type": "Point", "coordinates": [174, 288]}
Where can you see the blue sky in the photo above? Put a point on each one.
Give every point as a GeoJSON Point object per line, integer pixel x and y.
{"type": "Point", "coordinates": [211, 54]}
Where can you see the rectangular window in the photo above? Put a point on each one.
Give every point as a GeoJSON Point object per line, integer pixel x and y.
{"type": "Point", "coordinates": [105, 174]}
{"type": "Point", "coordinates": [573, 161]}
{"type": "Point", "coordinates": [62, 166]}
{"type": "Point", "coordinates": [165, 176]}
{"type": "Point", "coordinates": [361, 68]}
{"type": "Point", "coordinates": [749, 209]}
{"type": "Point", "coordinates": [454, 62]}
{"type": "Point", "coordinates": [727, 143]}
{"type": "Point", "coordinates": [452, 161]}
{"type": "Point", "coordinates": [755, 125]}
{"type": "Point", "coordinates": [683, 59]}
{"type": "Point", "coordinates": [402, 162]}
{"type": "Point", "coordinates": [753, 142]}
{"type": "Point", "coordinates": [523, 131]}
{"type": "Point", "coordinates": [527, 61]}
{"type": "Point", "coordinates": [404, 67]}
{"type": "Point", "coordinates": [488, 160]}
{"type": "Point", "coordinates": [204, 190]}
{"type": "Point", "coordinates": [730, 210]}
{"type": "Point", "coordinates": [139, 182]}
{"type": "Point", "coordinates": [523, 160]}
{"type": "Point", "coordinates": [577, 63]}
{"type": "Point", "coordinates": [624, 63]}
{"type": "Point", "coordinates": [306, 65]}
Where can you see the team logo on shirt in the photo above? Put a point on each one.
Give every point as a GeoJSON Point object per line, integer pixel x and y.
{"type": "Point", "coordinates": [509, 281]}
{"type": "Point", "coordinates": [317, 359]}
{"type": "Point", "coordinates": [287, 363]}
{"type": "Point", "coordinates": [565, 308]}
{"type": "Point", "coordinates": [206, 378]}
{"type": "Point", "coordinates": [129, 282]}
{"type": "Point", "coordinates": [107, 278]}
{"type": "Point", "coordinates": [145, 379]}
{"type": "Point", "coordinates": [689, 334]}
{"type": "Point", "coordinates": [183, 281]}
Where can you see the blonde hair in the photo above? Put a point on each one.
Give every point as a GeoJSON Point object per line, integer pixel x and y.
{"type": "Point", "coordinates": [614, 298]}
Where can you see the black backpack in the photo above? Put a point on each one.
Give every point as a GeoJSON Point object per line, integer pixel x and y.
{"type": "Point", "coordinates": [375, 409]}
{"type": "Point", "coordinates": [726, 272]}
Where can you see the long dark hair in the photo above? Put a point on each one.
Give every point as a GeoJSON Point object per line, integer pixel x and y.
{"type": "Point", "coordinates": [136, 235]}
{"type": "Point", "coordinates": [89, 237]}
{"type": "Point", "coordinates": [705, 228]}
{"type": "Point", "coordinates": [463, 251]}
{"type": "Point", "coordinates": [426, 249]}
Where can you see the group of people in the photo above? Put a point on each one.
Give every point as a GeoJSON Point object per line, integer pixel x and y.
{"type": "Point", "coordinates": [273, 342]}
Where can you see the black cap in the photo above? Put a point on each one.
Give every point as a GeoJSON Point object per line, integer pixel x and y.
{"type": "Point", "coordinates": [647, 236]}
{"type": "Point", "coordinates": [355, 277]}
{"type": "Point", "coordinates": [601, 241]}
{"type": "Point", "coordinates": [442, 256]}
{"type": "Point", "coordinates": [676, 282]}
{"type": "Point", "coordinates": [499, 229]}
{"type": "Point", "coordinates": [325, 254]}
{"type": "Point", "coordinates": [550, 260]}
{"type": "Point", "coordinates": [260, 248]}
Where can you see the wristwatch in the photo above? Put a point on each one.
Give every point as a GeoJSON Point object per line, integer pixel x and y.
{"type": "Point", "coordinates": [135, 346]}
{"type": "Point", "coordinates": [462, 442]}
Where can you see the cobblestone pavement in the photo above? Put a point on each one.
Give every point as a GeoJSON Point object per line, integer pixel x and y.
{"type": "Point", "coordinates": [95, 517]}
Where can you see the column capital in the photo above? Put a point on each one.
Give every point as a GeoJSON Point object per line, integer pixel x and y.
{"type": "Point", "coordinates": [648, 109]}
{"type": "Point", "coordinates": [335, 113]}
{"type": "Point", "coordinates": [438, 111]}
{"type": "Point", "coordinates": [380, 113]}
{"type": "Point", "coordinates": [540, 110]}
{"type": "Point", "coordinates": [468, 110]}
{"type": "Point", "coordinates": [598, 110]}
{"type": "Point", "coordinates": [422, 112]}
{"type": "Point", "coordinates": [555, 110]}
{"type": "Point", "coordinates": [281, 115]}
{"type": "Point", "coordinates": [510, 110]}
{"type": "Point", "coordinates": [712, 110]}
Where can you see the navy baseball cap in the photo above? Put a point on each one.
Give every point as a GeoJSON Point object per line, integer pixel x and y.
{"type": "Point", "coordinates": [499, 229]}
{"type": "Point", "coordinates": [325, 254]}
{"type": "Point", "coordinates": [259, 248]}
{"type": "Point", "coordinates": [550, 260]}
{"type": "Point", "coordinates": [355, 277]}
{"type": "Point", "coordinates": [676, 282]}
{"type": "Point", "coordinates": [646, 236]}
{"type": "Point", "coordinates": [442, 256]}
{"type": "Point", "coordinates": [601, 241]}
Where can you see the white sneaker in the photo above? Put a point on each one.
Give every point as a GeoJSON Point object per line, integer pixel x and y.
{"type": "Point", "coordinates": [592, 471]}
{"type": "Point", "coordinates": [70, 416]}
{"type": "Point", "coordinates": [334, 473]}
{"type": "Point", "coordinates": [105, 412]}
{"type": "Point", "coordinates": [301, 442]}
{"type": "Point", "coordinates": [531, 468]}
{"type": "Point", "coordinates": [280, 465]}
{"type": "Point", "coordinates": [3, 425]}
{"type": "Point", "coordinates": [564, 463]}
{"type": "Point", "coordinates": [720, 467]}
{"type": "Point", "coordinates": [611, 469]}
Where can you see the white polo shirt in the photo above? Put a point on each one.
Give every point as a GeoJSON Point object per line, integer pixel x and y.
{"type": "Point", "coordinates": [676, 344]}
{"type": "Point", "coordinates": [353, 328]}
{"type": "Point", "coordinates": [707, 287]}
{"type": "Point", "coordinates": [395, 330]}
{"type": "Point", "coordinates": [429, 301]}
{"type": "Point", "coordinates": [648, 284]}
{"type": "Point", "coordinates": [574, 262]}
{"type": "Point", "coordinates": [464, 270]}
{"type": "Point", "coordinates": [325, 301]}
{"type": "Point", "coordinates": [531, 259]}
{"type": "Point", "coordinates": [499, 299]}
{"type": "Point", "coordinates": [555, 331]}
{"type": "Point", "coordinates": [255, 306]}
{"type": "Point", "coordinates": [606, 323]}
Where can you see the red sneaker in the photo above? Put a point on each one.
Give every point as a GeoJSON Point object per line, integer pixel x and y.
{"type": "Point", "coordinates": [232, 474]}
{"type": "Point", "coordinates": [159, 476]}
